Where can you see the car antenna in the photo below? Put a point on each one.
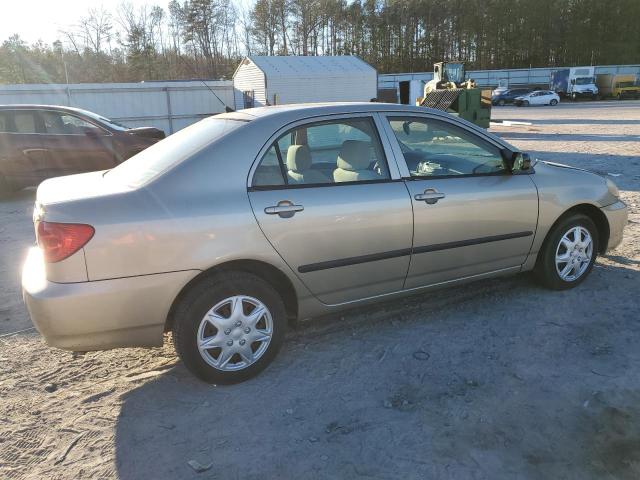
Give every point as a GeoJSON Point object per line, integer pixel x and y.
{"type": "Point", "coordinates": [227, 108]}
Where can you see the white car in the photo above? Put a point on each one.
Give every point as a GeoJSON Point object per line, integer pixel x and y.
{"type": "Point", "coordinates": [538, 97]}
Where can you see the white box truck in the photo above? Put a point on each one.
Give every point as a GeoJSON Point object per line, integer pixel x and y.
{"type": "Point", "coordinates": [575, 82]}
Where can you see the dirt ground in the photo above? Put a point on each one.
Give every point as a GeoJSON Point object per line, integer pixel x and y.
{"type": "Point", "coordinates": [499, 379]}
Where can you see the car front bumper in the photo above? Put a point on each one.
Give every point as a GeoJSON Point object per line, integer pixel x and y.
{"type": "Point", "coordinates": [99, 315]}
{"type": "Point", "coordinates": [617, 215]}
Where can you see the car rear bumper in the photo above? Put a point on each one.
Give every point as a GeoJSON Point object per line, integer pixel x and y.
{"type": "Point", "coordinates": [99, 315]}
{"type": "Point", "coordinates": [617, 216]}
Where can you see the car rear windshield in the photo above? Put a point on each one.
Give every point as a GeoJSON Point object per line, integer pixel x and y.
{"type": "Point", "coordinates": [160, 157]}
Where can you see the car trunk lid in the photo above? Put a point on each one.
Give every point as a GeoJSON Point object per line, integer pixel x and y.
{"type": "Point", "coordinates": [74, 187]}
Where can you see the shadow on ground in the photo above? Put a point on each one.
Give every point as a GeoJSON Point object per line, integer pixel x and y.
{"type": "Point", "coordinates": [499, 379]}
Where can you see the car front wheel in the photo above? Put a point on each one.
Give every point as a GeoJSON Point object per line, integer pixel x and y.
{"type": "Point", "coordinates": [554, 102]}
{"type": "Point", "coordinates": [568, 253]}
{"type": "Point", "coordinates": [229, 327]}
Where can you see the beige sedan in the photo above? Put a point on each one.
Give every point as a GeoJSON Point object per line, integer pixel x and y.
{"type": "Point", "coordinates": [228, 230]}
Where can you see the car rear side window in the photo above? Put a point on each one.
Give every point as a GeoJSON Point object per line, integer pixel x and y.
{"type": "Point", "coordinates": [346, 150]}
{"type": "Point", "coordinates": [25, 122]}
{"type": "Point", "coordinates": [4, 122]}
{"type": "Point", "coordinates": [162, 156]}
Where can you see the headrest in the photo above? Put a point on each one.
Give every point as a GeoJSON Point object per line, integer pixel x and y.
{"type": "Point", "coordinates": [298, 158]}
{"type": "Point", "coordinates": [354, 155]}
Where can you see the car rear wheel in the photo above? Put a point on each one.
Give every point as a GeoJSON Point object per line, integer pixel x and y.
{"type": "Point", "coordinates": [568, 253]}
{"type": "Point", "coordinates": [229, 327]}
{"type": "Point", "coordinates": [554, 102]}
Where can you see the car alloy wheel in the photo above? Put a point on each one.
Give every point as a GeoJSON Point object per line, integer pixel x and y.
{"type": "Point", "coordinates": [568, 252]}
{"type": "Point", "coordinates": [229, 326]}
{"type": "Point", "coordinates": [554, 102]}
{"type": "Point", "coordinates": [235, 333]}
{"type": "Point", "coordinates": [525, 103]}
{"type": "Point", "coordinates": [501, 103]}
{"type": "Point", "coordinates": [574, 254]}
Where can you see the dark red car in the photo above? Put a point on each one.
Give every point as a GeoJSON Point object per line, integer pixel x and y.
{"type": "Point", "coordinates": [43, 141]}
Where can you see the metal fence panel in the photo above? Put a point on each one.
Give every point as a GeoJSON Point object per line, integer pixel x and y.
{"type": "Point", "coordinates": [166, 105]}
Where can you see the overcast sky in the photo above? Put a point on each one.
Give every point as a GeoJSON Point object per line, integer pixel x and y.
{"type": "Point", "coordinates": [44, 19]}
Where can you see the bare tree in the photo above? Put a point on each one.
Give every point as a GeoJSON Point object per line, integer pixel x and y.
{"type": "Point", "coordinates": [96, 29]}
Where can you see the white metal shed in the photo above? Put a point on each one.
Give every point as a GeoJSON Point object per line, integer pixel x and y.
{"type": "Point", "coordinates": [260, 80]}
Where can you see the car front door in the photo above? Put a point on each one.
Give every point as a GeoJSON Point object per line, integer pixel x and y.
{"type": "Point", "coordinates": [75, 145]}
{"type": "Point", "coordinates": [537, 98]}
{"type": "Point", "coordinates": [471, 215]}
{"type": "Point", "coordinates": [328, 196]}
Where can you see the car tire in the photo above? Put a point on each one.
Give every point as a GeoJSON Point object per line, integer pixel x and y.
{"type": "Point", "coordinates": [525, 103]}
{"type": "Point", "coordinates": [574, 97]}
{"type": "Point", "coordinates": [203, 314]}
{"type": "Point", "coordinates": [619, 96]}
{"type": "Point", "coordinates": [501, 103]}
{"type": "Point", "coordinates": [557, 247]}
{"type": "Point", "coordinates": [553, 102]}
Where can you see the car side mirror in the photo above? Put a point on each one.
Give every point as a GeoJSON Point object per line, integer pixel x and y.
{"type": "Point", "coordinates": [406, 128]}
{"type": "Point", "coordinates": [521, 162]}
{"type": "Point", "coordinates": [516, 161]}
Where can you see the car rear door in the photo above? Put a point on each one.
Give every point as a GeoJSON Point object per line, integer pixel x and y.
{"type": "Point", "coordinates": [23, 160]}
{"type": "Point", "coordinates": [75, 145]}
{"type": "Point", "coordinates": [345, 232]}
{"type": "Point", "coordinates": [471, 216]}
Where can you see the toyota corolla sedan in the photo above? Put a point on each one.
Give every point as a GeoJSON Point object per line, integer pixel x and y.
{"type": "Point", "coordinates": [230, 229]}
{"type": "Point", "coordinates": [539, 97]}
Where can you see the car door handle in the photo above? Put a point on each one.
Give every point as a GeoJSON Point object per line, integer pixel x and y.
{"type": "Point", "coordinates": [285, 209]}
{"type": "Point", "coordinates": [430, 196]}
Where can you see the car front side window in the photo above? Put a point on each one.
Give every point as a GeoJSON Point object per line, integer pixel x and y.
{"type": "Point", "coordinates": [434, 148]}
{"type": "Point", "coordinates": [58, 123]}
{"type": "Point", "coordinates": [324, 153]}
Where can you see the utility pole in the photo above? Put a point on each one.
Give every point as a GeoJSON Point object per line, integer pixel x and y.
{"type": "Point", "coordinates": [66, 77]}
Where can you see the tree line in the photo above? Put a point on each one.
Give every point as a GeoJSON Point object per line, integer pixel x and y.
{"type": "Point", "coordinates": [207, 38]}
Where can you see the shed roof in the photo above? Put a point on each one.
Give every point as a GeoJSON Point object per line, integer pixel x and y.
{"type": "Point", "coordinates": [312, 66]}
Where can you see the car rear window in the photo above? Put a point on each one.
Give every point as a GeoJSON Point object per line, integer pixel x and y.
{"type": "Point", "coordinates": [162, 156]}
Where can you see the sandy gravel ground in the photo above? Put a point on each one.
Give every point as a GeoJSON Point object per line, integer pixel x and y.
{"type": "Point", "coordinates": [500, 379]}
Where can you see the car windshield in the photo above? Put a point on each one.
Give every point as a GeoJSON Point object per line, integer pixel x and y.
{"type": "Point", "coordinates": [584, 80]}
{"type": "Point", "coordinates": [103, 120]}
{"type": "Point", "coordinates": [160, 157]}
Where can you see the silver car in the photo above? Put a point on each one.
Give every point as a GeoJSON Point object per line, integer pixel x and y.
{"type": "Point", "coordinates": [228, 230]}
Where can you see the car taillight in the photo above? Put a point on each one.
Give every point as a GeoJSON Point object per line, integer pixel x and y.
{"type": "Point", "coordinates": [61, 240]}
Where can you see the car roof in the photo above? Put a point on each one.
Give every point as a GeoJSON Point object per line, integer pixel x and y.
{"type": "Point", "coordinates": [33, 106]}
{"type": "Point", "coordinates": [292, 112]}
{"type": "Point", "coordinates": [283, 114]}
